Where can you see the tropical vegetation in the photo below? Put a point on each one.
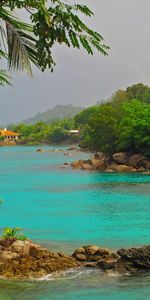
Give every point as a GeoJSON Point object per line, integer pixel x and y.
{"type": "Point", "coordinates": [121, 124]}
{"type": "Point", "coordinates": [55, 132]}
{"type": "Point", "coordinates": [13, 233]}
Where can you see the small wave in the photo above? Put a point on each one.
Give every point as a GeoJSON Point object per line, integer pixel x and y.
{"type": "Point", "coordinates": [70, 274]}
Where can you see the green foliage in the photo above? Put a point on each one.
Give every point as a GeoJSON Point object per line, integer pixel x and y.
{"type": "Point", "coordinates": [2, 138]}
{"type": "Point", "coordinates": [134, 128]}
{"type": "Point", "coordinates": [95, 130]}
{"type": "Point", "coordinates": [13, 233]}
{"type": "Point", "coordinates": [123, 124]}
{"type": "Point", "coordinates": [139, 91]}
{"type": "Point", "coordinates": [40, 132]}
{"type": "Point", "coordinates": [52, 22]}
{"type": "Point", "coordinates": [58, 135]}
{"type": "Point", "coordinates": [17, 43]}
{"type": "Point", "coordinates": [4, 78]}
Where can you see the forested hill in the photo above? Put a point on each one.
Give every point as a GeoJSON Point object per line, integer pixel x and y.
{"type": "Point", "coordinates": [59, 112]}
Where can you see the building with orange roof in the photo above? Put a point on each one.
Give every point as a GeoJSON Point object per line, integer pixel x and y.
{"type": "Point", "coordinates": [9, 135]}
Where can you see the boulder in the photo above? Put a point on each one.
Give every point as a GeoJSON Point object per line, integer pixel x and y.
{"type": "Point", "coordinates": [134, 259]}
{"type": "Point", "coordinates": [87, 167]}
{"type": "Point", "coordinates": [77, 164]}
{"type": "Point", "coordinates": [21, 247]}
{"type": "Point", "coordinates": [120, 158]}
{"type": "Point", "coordinates": [113, 166]}
{"type": "Point", "coordinates": [90, 253]}
{"type": "Point", "coordinates": [91, 249]}
{"type": "Point", "coordinates": [146, 164]}
{"type": "Point", "coordinates": [6, 242]}
{"type": "Point", "coordinates": [125, 168]}
{"type": "Point", "coordinates": [136, 160]}
{"type": "Point", "coordinates": [141, 169]}
{"type": "Point", "coordinates": [136, 254]}
{"type": "Point", "coordinates": [121, 168]}
{"type": "Point", "coordinates": [80, 250]}
{"type": "Point", "coordinates": [38, 252]}
{"type": "Point", "coordinates": [101, 156]}
{"type": "Point", "coordinates": [105, 265]}
{"type": "Point", "coordinates": [81, 257]}
{"type": "Point", "coordinates": [97, 164]}
{"type": "Point", "coordinates": [102, 252]}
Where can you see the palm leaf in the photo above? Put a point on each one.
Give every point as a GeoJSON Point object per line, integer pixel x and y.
{"type": "Point", "coordinates": [4, 78]}
{"type": "Point", "coordinates": [20, 43]}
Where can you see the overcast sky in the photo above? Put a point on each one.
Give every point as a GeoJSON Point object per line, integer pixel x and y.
{"type": "Point", "coordinates": [81, 79]}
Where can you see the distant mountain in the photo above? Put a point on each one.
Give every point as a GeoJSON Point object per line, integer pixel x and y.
{"type": "Point", "coordinates": [57, 113]}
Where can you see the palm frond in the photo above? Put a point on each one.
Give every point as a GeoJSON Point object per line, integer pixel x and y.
{"type": "Point", "coordinates": [4, 78]}
{"type": "Point", "coordinates": [20, 42]}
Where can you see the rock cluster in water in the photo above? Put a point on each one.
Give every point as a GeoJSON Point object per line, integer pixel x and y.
{"type": "Point", "coordinates": [124, 261]}
{"type": "Point", "coordinates": [24, 259]}
{"type": "Point", "coordinates": [119, 162]}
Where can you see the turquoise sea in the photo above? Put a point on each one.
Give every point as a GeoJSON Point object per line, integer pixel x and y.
{"type": "Point", "coordinates": [63, 209]}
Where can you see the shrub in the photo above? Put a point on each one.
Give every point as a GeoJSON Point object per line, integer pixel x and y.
{"type": "Point", "coordinates": [13, 233]}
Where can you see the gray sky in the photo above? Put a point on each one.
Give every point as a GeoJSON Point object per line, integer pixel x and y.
{"type": "Point", "coordinates": [81, 79]}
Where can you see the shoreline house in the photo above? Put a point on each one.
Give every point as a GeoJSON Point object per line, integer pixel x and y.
{"type": "Point", "coordinates": [74, 132]}
{"type": "Point", "coordinates": [8, 135]}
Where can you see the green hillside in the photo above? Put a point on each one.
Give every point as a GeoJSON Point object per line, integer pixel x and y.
{"type": "Point", "coordinates": [57, 113]}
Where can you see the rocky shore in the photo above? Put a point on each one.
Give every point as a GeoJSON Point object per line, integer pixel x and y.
{"type": "Point", "coordinates": [24, 259]}
{"type": "Point", "coordinates": [131, 261]}
{"type": "Point", "coordinates": [118, 162]}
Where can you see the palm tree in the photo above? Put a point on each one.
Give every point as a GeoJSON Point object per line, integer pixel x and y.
{"type": "Point", "coordinates": [17, 45]}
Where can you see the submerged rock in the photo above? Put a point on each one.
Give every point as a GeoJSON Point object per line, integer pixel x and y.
{"type": "Point", "coordinates": [73, 149]}
{"type": "Point", "coordinates": [40, 150]}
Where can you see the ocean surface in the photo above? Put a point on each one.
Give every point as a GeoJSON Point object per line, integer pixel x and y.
{"type": "Point", "coordinates": [63, 209]}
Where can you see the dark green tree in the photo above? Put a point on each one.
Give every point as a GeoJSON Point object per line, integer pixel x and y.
{"type": "Point", "coordinates": [134, 128]}
{"type": "Point", "coordinates": [139, 91]}
{"type": "Point", "coordinates": [59, 134]}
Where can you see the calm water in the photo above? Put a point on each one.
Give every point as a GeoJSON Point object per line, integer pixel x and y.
{"type": "Point", "coordinates": [63, 209]}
